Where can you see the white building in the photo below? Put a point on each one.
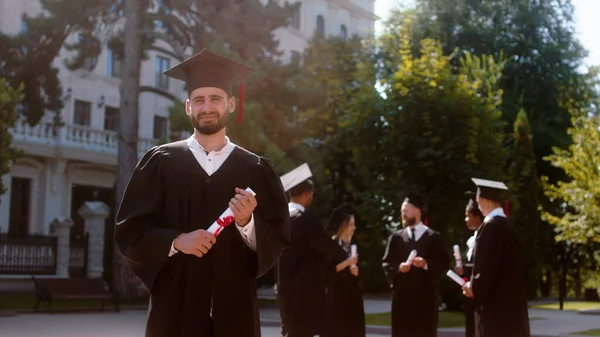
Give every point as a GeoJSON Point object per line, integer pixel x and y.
{"type": "Point", "coordinates": [59, 171]}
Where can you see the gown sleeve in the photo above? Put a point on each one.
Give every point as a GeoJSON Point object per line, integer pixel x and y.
{"type": "Point", "coordinates": [391, 263]}
{"type": "Point", "coordinates": [438, 262]}
{"type": "Point", "coordinates": [488, 260]}
{"type": "Point", "coordinates": [271, 218]}
{"type": "Point", "coordinates": [141, 237]}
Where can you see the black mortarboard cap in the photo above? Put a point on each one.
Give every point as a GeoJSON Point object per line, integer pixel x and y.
{"type": "Point", "coordinates": [417, 200]}
{"type": "Point", "coordinates": [338, 216]}
{"type": "Point", "coordinates": [490, 189]}
{"type": "Point", "coordinates": [207, 69]}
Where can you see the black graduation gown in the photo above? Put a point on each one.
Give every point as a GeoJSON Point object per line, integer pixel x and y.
{"type": "Point", "coordinates": [301, 276]}
{"type": "Point", "coordinates": [415, 294]}
{"type": "Point", "coordinates": [345, 307]}
{"type": "Point", "coordinates": [168, 194]}
{"type": "Point", "coordinates": [497, 282]}
{"type": "Point", "coordinates": [468, 306]}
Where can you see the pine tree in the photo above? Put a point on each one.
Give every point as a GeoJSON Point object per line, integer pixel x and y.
{"type": "Point", "coordinates": [525, 215]}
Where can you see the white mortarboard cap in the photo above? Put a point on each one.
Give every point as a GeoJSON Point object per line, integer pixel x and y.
{"type": "Point", "coordinates": [295, 176]}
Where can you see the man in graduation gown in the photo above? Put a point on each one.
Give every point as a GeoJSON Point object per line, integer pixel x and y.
{"type": "Point", "coordinates": [202, 284]}
{"type": "Point", "coordinates": [473, 219]}
{"type": "Point", "coordinates": [415, 284]}
{"type": "Point", "coordinates": [302, 269]}
{"type": "Point", "coordinates": [497, 285]}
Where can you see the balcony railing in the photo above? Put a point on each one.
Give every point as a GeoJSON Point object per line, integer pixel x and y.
{"type": "Point", "coordinates": [71, 135]}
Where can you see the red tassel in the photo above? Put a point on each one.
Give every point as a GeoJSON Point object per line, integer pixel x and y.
{"type": "Point", "coordinates": [506, 208]}
{"type": "Point", "coordinates": [427, 222]}
{"type": "Point", "coordinates": [241, 108]}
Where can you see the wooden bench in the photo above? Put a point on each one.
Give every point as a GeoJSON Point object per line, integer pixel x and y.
{"type": "Point", "coordinates": [72, 289]}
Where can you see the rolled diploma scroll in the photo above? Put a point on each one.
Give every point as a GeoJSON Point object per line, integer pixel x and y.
{"type": "Point", "coordinates": [353, 252]}
{"type": "Point", "coordinates": [225, 219]}
{"type": "Point", "coordinates": [412, 256]}
{"type": "Point", "coordinates": [457, 256]}
{"type": "Point", "coordinates": [454, 276]}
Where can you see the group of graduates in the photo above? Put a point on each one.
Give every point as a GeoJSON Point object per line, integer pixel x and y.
{"type": "Point", "coordinates": [202, 218]}
{"type": "Point", "coordinates": [318, 290]}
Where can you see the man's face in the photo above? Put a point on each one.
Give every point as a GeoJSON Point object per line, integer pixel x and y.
{"type": "Point", "coordinates": [409, 214]}
{"type": "Point", "coordinates": [209, 109]}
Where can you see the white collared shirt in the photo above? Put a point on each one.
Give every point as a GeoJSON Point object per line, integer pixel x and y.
{"type": "Point", "coordinates": [294, 207]}
{"type": "Point", "coordinates": [420, 229]}
{"type": "Point", "coordinates": [210, 163]}
{"type": "Point", "coordinates": [496, 212]}
{"type": "Point", "coordinates": [471, 245]}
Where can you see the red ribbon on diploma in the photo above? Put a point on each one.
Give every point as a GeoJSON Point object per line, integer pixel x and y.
{"type": "Point", "coordinates": [223, 222]}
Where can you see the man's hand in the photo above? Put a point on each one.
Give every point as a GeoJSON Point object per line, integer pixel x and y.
{"type": "Point", "coordinates": [467, 291]}
{"type": "Point", "coordinates": [459, 270]}
{"type": "Point", "coordinates": [419, 262]}
{"type": "Point", "coordinates": [354, 270]}
{"type": "Point", "coordinates": [352, 260]}
{"type": "Point", "coordinates": [242, 205]}
{"type": "Point", "coordinates": [198, 242]}
{"type": "Point", "coordinates": [404, 267]}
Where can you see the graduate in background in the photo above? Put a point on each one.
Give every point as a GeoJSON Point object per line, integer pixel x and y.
{"type": "Point", "coordinates": [201, 285]}
{"type": "Point", "coordinates": [497, 285]}
{"type": "Point", "coordinates": [345, 307]}
{"type": "Point", "coordinates": [302, 269]}
{"type": "Point", "coordinates": [415, 284]}
{"type": "Point", "coordinates": [473, 220]}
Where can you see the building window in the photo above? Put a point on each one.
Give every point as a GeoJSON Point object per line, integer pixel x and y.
{"type": "Point", "coordinates": [88, 63]}
{"type": "Point", "coordinates": [162, 9]}
{"type": "Point", "coordinates": [296, 19]}
{"type": "Point", "coordinates": [320, 24]}
{"type": "Point", "coordinates": [343, 32]}
{"type": "Point", "coordinates": [24, 23]}
{"type": "Point", "coordinates": [160, 127]}
{"type": "Point", "coordinates": [114, 7]}
{"type": "Point", "coordinates": [111, 118]}
{"type": "Point", "coordinates": [20, 198]}
{"type": "Point", "coordinates": [82, 113]}
{"type": "Point", "coordinates": [113, 64]}
{"type": "Point", "coordinates": [162, 65]}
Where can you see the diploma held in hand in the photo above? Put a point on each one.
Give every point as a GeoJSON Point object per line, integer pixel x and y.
{"type": "Point", "coordinates": [225, 219]}
{"type": "Point", "coordinates": [454, 276]}
{"type": "Point", "coordinates": [457, 256]}
{"type": "Point", "coordinates": [353, 252]}
{"type": "Point", "coordinates": [412, 256]}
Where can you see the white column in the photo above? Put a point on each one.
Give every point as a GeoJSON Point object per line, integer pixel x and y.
{"type": "Point", "coordinates": [5, 204]}
{"type": "Point", "coordinates": [55, 190]}
{"type": "Point", "coordinates": [94, 214]}
{"type": "Point", "coordinates": [61, 227]}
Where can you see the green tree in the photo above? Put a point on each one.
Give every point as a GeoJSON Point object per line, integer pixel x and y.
{"type": "Point", "coordinates": [543, 74]}
{"type": "Point", "coordinates": [335, 84]}
{"type": "Point", "coordinates": [438, 126]}
{"type": "Point", "coordinates": [579, 218]}
{"type": "Point", "coordinates": [10, 99]}
{"type": "Point", "coordinates": [525, 188]}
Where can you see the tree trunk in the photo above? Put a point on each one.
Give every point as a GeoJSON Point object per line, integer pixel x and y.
{"type": "Point", "coordinates": [124, 280]}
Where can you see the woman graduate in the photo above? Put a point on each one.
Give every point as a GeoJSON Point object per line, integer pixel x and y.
{"type": "Point", "coordinates": [344, 303]}
{"type": "Point", "coordinates": [473, 220]}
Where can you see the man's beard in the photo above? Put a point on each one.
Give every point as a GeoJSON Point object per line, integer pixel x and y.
{"type": "Point", "coordinates": [407, 222]}
{"type": "Point", "coordinates": [212, 127]}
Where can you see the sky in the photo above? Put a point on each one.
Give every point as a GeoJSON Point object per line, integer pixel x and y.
{"type": "Point", "coordinates": [586, 16]}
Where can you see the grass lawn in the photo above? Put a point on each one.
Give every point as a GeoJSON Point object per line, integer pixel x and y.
{"type": "Point", "coordinates": [595, 332]}
{"type": "Point", "coordinates": [26, 302]}
{"type": "Point", "coordinates": [447, 319]}
{"type": "Point", "coordinates": [571, 305]}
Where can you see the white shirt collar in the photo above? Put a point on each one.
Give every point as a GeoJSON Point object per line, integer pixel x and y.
{"type": "Point", "coordinates": [293, 205]}
{"type": "Point", "coordinates": [420, 229]}
{"type": "Point", "coordinates": [228, 148]}
{"type": "Point", "coordinates": [496, 212]}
